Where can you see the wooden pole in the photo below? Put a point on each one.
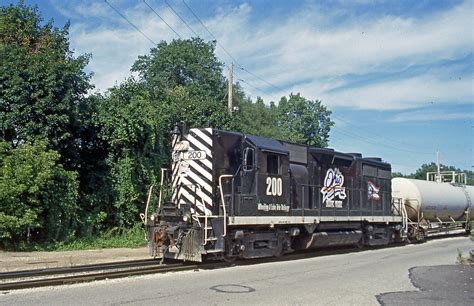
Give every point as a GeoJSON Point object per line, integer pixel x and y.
{"type": "Point", "coordinates": [229, 94]}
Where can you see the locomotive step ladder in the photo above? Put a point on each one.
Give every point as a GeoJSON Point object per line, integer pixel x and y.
{"type": "Point", "coordinates": [215, 226]}
{"type": "Point", "coordinates": [207, 226]}
{"type": "Point", "coordinates": [212, 236]}
{"type": "Point", "coordinates": [209, 232]}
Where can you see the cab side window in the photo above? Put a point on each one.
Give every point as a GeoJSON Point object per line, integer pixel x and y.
{"type": "Point", "coordinates": [249, 159]}
{"type": "Point", "coordinates": [273, 164]}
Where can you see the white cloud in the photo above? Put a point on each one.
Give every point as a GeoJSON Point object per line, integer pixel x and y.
{"type": "Point", "coordinates": [426, 115]}
{"type": "Point", "coordinates": [402, 94]}
{"type": "Point", "coordinates": [94, 9]}
{"type": "Point", "coordinates": [307, 52]}
{"type": "Point", "coordinates": [115, 45]}
{"type": "Point", "coordinates": [314, 58]}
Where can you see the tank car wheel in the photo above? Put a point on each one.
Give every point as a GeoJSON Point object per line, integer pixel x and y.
{"type": "Point", "coordinates": [468, 228]}
{"type": "Point", "coordinates": [420, 235]}
{"type": "Point", "coordinates": [416, 235]}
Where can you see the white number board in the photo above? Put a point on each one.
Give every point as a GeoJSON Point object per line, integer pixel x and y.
{"type": "Point", "coordinates": [194, 155]}
{"type": "Point", "coordinates": [274, 186]}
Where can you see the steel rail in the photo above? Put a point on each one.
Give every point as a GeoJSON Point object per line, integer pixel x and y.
{"type": "Point", "coordinates": [77, 269]}
{"type": "Point", "coordinates": [156, 268]}
{"type": "Point", "coordinates": [72, 279]}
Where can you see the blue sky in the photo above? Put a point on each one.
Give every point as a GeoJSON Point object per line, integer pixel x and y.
{"type": "Point", "coordinates": [398, 75]}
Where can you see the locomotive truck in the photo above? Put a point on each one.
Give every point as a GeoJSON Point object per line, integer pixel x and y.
{"type": "Point", "coordinates": [231, 195]}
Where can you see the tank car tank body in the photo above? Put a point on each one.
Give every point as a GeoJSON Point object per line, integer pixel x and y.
{"type": "Point", "coordinates": [433, 206]}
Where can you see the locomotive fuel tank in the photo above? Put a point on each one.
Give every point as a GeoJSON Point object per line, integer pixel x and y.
{"type": "Point", "coordinates": [433, 201]}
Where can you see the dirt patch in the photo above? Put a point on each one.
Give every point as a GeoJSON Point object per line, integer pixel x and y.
{"type": "Point", "coordinates": [14, 261]}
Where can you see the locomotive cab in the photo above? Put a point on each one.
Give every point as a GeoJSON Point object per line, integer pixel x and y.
{"type": "Point", "coordinates": [263, 179]}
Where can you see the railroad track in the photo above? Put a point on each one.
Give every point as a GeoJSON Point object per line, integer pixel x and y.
{"type": "Point", "coordinates": [85, 273]}
{"type": "Point", "coordinates": [88, 273]}
{"type": "Point", "coordinates": [76, 269]}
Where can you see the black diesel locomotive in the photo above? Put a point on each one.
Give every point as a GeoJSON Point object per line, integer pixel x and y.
{"type": "Point", "coordinates": [229, 195]}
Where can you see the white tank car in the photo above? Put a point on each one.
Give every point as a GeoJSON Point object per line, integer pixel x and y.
{"type": "Point", "coordinates": [433, 201]}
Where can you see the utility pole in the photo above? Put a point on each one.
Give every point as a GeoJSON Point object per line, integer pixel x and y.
{"type": "Point", "coordinates": [229, 94]}
{"type": "Point", "coordinates": [438, 175]}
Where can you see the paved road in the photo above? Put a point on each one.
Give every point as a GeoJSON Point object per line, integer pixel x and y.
{"type": "Point", "coordinates": [344, 279]}
{"type": "Point", "coordinates": [439, 285]}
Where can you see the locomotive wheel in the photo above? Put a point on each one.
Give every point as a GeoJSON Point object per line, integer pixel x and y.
{"type": "Point", "coordinates": [229, 258]}
{"type": "Point", "coordinates": [234, 249]}
{"type": "Point", "coordinates": [398, 237]}
{"type": "Point", "coordinates": [279, 248]}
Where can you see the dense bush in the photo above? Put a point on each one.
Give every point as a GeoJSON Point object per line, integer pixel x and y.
{"type": "Point", "coordinates": [36, 193]}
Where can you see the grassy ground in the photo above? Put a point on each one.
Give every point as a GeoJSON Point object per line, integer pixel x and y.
{"type": "Point", "coordinates": [114, 238]}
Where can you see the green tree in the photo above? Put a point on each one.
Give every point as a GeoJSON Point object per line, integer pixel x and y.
{"type": "Point", "coordinates": [257, 118]}
{"type": "Point", "coordinates": [180, 105]}
{"type": "Point", "coordinates": [420, 173]}
{"type": "Point", "coordinates": [131, 129]}
{"type": "Point", "coordinates": [36, 192]}
{"type": "Point", "coordinates": [95, 196]}
{"type": "Point", "coordinates": [304, 121]}
{"type": "Point", "coordinates": [42, 84]}
{"type": "Point", "coordinates": [184, 79]}
{"type": "Point", "coordinates": [189, 63]}
{"type": "Point", "coordinates": [42, 96]}
{"type": "Point", "coordinates": [398, 174]}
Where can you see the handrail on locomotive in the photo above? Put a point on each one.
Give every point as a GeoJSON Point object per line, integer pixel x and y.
{"type": "Point", "coordinates": [194, 216]}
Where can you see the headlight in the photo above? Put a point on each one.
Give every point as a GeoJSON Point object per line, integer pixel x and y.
{"type": "Point", "coordinates": [185, 218]}
{"type": "Point", "coordinates": [152, 217]}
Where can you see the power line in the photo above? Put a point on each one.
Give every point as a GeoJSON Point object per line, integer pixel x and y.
{"type": "Point", "coordinates": [339, 139]}
{"type": "Point", "coordinates": [242, 68]}
{"type": "Point", "coordinates": [407, 166]}
{"type": "Point", "coordinates": [162, 19]}
{"type": "Point", "coordinates": [182, 19]}
{"type": "Point", "coordinates": [227, 52]}
{"type": "Point", "coordinates": [257, 77]}
{"type": "Point", "coordinates": [136, 28]}
{"type": "Point", "coordinates": [230, 55]}
{"type": "Point", "coordinates": [256, 88]}
{"type": "Point", "coordinates": [368, 140]}
{"type": "Point", "coordinates": [263, 80]}
{"type": "Point", "coordinates": [392, 163]}
{"type": "Point", "coordinates": [212, 35]}
{"type": "Point", "coordinates": [374, 133]}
